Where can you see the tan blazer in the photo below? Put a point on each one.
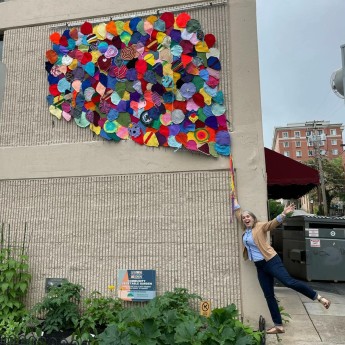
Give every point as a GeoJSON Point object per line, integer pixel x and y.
{"type": "Point", "coordinates": [260, 237]}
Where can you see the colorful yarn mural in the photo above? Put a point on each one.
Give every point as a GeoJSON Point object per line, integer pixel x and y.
{"type": "Point", "coordinates": [154, 81]}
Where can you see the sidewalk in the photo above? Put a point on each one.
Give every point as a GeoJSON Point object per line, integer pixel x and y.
{"type": "Point", "coordinates": [310, 323]}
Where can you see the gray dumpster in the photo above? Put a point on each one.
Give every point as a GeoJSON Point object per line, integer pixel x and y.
{"type": "Point", "coordinates": [277, 240]}
{"type": "Point", "coordinates": [314, 247]}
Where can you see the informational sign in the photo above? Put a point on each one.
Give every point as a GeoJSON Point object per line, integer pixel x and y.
{"type": "Point", "coordinates": [315, 243]}
{"type": "Point", "coordinates": [136, 285]}
{"type": "Point", "coordinates": [313, 232]}
{"type": "Point", "coordinates": [205, 308]}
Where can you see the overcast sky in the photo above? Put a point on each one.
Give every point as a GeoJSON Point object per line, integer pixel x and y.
{"type": "Point", "coordinates": [299, 49]}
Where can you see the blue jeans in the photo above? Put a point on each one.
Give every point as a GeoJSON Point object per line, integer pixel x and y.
{"type": "Point", "coordinates": [274, 268]}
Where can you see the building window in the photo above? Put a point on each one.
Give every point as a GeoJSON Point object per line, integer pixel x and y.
{"type": "Point", "coordinates": [319, 131]}
{"type": "Point", "coordinates": [322, 143]}
{"type": "Point", "coordinates": [297, 134]}
{"type": "Point", "coordinates": [333, 142]}
{"type": "Point", "coordinates": [335, 152]}
{"type": "Point", "coordinates": [298, 144]}
{"type": "Point", "coordinates": [308, 133]}
{"type": "Point", "coordinates": [285, 134]}
{"type": "Point", "coordinates": [298, 154]}
{"type": "Point", "coordinates": [286, 153]}
{"type": "Point", "coordinates": [310, 153]}
{"type": "Point", "coordinates": [286, 144]}
{"type": "Point", "coordinates": [333, 132]}
{"type": "Point", "coordinates": [310, 143]}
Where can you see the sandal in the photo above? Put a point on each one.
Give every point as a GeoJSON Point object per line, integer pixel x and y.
{"type": "Point", "coordinates": [324, 301]}
{"type": "Point", "coordinates": [275, 330]}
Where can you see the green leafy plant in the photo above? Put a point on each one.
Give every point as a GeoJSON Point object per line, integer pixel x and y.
{"type": "Point", "coordinates": [178, 300]}
{"type": "Point", "coordinates": [116, 334]}
{"type": "Point", "coordinates": [153, 323]}
{"type": "Point", "coordinates": [170, 319]}
{"type": "Point", "coordinates": [11, 329]}
{"type": "Point", "coordinates": [99, 312]}
{"type": "Point", "coordinates": [224, 327]}
{"type": "Point", "coordinates": [190, 331]}
{"type": "Point", "coordinates": [14, 284]}
{"type": "Point", "coordinates": [60, 307]}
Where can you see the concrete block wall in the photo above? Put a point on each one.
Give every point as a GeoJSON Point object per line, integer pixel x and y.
{"type": "Point", "coordinates": [86, 228]}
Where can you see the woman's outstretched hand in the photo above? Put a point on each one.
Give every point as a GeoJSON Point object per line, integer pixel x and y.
{"type": "Point", "coordinates": [289, 208]}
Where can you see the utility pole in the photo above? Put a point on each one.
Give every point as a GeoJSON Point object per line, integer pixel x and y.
{"type": "Point", "coordinates": [316, 140]}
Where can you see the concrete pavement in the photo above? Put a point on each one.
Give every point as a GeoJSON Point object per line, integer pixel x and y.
{"type": "Point", "coordinates": [310, 322]}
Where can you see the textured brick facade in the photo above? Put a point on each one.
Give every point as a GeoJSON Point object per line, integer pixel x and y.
{"type": "Point", "coordinates": [84, 229]}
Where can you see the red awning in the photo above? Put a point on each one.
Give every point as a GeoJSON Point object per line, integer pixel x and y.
{"type": "Point", "coordinates": [287, 178]}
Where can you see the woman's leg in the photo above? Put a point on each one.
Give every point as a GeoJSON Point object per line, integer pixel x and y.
{"type": "Point", "coordinates": [266, 282]}
{"type": "Point", "coordinates": [276, 268]}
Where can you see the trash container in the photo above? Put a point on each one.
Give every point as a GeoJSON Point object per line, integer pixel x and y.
{"type": "Point", "coordinates": [277, 240]}
{"type": "Point", "coordinates": [314, 247]}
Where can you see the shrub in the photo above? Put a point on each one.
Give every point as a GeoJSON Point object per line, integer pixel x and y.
{"type": "Point", "coordinates": [14, 284]}
{"type": "Point", "coordinates": [60, 307]}
{"type": "Point", "coordinates": [99, 312]}
{"type": "Point", "coordinates": [169, 319]}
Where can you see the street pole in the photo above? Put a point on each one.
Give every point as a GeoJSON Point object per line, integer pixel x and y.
{"type": "Point", "coordinates": [322, 181]}
{"type": "Point", "coordinates": [316, 144]}
{"type": "Point", "coordinates": [342, 48]}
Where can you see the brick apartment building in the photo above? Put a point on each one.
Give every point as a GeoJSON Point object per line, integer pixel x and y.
{"type": "Point", "coordinates": [295, 140]}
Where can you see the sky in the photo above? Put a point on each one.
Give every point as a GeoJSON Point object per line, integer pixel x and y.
{"type": "Point", "coordinates": [299, 49]}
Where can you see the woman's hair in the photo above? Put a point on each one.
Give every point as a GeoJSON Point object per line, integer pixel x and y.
{"type": "Point", "coordinates": [252, 215]}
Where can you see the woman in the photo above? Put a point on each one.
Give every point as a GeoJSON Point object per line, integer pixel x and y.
{"type": "Point", "coordinates": [268, 263]}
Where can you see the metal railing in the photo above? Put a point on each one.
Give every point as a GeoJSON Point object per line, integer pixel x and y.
{"type": "Point", "coordinates": [44, 340]}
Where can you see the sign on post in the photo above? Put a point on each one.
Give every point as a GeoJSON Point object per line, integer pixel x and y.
{"type": "Point", "coordinates": [136, 285]}
{"type": "Point", "coordinates": [205, 308]}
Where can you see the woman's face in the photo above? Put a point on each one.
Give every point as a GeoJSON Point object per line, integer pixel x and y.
{"type": "Point", "coordinates": [247, 220]}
